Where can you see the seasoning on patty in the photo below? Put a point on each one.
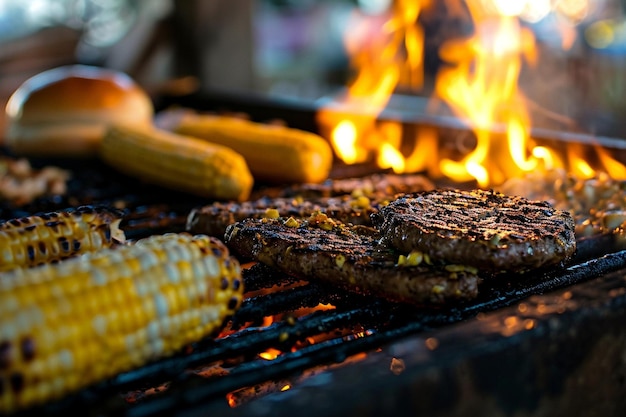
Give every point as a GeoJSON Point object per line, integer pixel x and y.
{"type": "Point", "coordinates": [485, 229]}
{"type": "Point", "coordinates": [350, 257]}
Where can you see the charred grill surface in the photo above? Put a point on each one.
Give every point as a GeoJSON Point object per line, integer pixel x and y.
{"type": "Point", "coordinates": [486, 229]}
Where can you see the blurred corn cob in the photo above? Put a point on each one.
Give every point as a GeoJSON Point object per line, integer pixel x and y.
{"type": "Point", "coordinates": [50, 237]}
{"type": "Point", "coordinates": [68, 325]}
{"type": "Point", "coordinates": [274, 153]}
{"type": "Point", "coordinates": [177, 162]}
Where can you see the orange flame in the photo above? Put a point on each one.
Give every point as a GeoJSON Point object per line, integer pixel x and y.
{"type": "Point", "coordinates": [391, 57]}
{"type": "Point", "coordinates": [479, 83]}
{"type": "Point", "coordinates": [482, 86]}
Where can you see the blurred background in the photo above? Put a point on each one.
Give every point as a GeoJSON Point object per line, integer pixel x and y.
{"type": "Point", "coordinates": [296, 49]}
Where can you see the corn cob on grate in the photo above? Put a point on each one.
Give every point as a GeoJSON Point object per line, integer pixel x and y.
{"type": "Point", "coordinates": [274, 154]}
{"type": "Point", "coordinates": [68, 325]}
{"type": "Point", "coordinates": [50, 237]}
{"type": "Point", "coordinates": [177, 162]}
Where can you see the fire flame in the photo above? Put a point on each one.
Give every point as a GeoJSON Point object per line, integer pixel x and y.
{"type": "Point", "coordinates": [482, 85]}
{"type": "Point", "coordinates": [479, 83]}
{"type": "Point", "coordinates": [388, 55]}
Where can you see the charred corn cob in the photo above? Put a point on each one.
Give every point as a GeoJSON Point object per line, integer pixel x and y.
{"type": "Point", "coordinates": [178, 162]}
{"type": "Point", "coordinates": [68, 325]}
{"type": "Point", "coordinates": [274, 153]}
{"type": "Point", "coordinates": [49, 237]}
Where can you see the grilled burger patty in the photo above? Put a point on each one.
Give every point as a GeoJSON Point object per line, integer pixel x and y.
{"type": "Point", "coordinates": [347, 256]}
{"type": "Point", "coordinates": [350, 200]}
{"type": "Point", "coordinates": [213, 219]}
{"type": "Point", "coordinates": [486, 229]}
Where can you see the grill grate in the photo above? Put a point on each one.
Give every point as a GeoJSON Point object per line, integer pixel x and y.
{"type": "Point", "coordinates": [350, 325]}
{"type": "Point", "coordinates": [362, 325]}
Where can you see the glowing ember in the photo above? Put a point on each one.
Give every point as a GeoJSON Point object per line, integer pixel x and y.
{"type": "Point", "coordinates": [270, 354]}
{"type": "Point", "coordinates": [246, 394]}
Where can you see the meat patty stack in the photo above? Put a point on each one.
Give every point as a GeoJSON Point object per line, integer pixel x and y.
{"type": "Point", "coordinates": [426, 247]}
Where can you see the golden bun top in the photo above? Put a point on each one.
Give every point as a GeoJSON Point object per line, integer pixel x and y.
{"type": "Point", "coordinates": [72, 103]}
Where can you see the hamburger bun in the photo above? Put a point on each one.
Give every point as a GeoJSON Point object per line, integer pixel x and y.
{"type": "Point", "coordinates": [64, 111]}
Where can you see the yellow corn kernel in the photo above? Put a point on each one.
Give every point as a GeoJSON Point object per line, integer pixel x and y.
{"type": "Point", "coordinates": [471, 269]}
{"type": "Point", "coordinates": [291, 222]}
{"type": "Point", "coordinates": [438, 289]}
{"type": "Point", "coordinates": [454, 268]}
{"type": "Point", "coordinates": [322, 221]}
{"type": "Point", "coordinates": [271, 213]}
{"type": "Point", "coordinates": [414, 258]}
{"type": "Point", "coordinates": [340, 260]}
{"type": "Point", "coordinates": [356, 193]}
{"type": "Point", "coordinates": [177, 289]}
{"type": "Point", "coordinates": [49, 237]}
{"type": "Point", "coordinates": [461, 268]}
{"type": "Point", "coordinates": [360, 202]}
{"type": "Point", "coordinates": [178, 162]}
{"type": "Point", "coordinates": [273, 153]}
{"type": "Point", "coordinates": [326, 225]}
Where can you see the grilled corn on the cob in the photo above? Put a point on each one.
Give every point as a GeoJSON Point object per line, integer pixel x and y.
{"type": "Point", "coordinates": [49, 237]}
{"type": "Point", "coordinates": [274, 153]}
{"type": "Point", "coordinates": [178, 162]}
{"type": "Point", "coordinates": [68, 325]}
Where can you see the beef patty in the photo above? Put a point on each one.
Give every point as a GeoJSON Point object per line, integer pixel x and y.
{"type": "Point", "coordinates": [350, 257]}
{"type": "Point", "coordinates": [486, 229]}
{"type": "Point", "coordinates": [213, 218]}
{"type": "Point", "coordinates": [350, 200]}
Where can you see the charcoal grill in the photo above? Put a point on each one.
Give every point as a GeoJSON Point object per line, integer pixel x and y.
{"type": "Point", "coordinates": [549, 343]}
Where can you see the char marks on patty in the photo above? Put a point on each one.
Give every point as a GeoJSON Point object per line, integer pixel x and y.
{"type": "Point", "coordinates": [213, 219]}
{"type": "Point", "coordinates": [350, 257]}
{"type": "Point", "coordinates": [486, 229]}
{"type": "Point", "coordinates": [350, 200]}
